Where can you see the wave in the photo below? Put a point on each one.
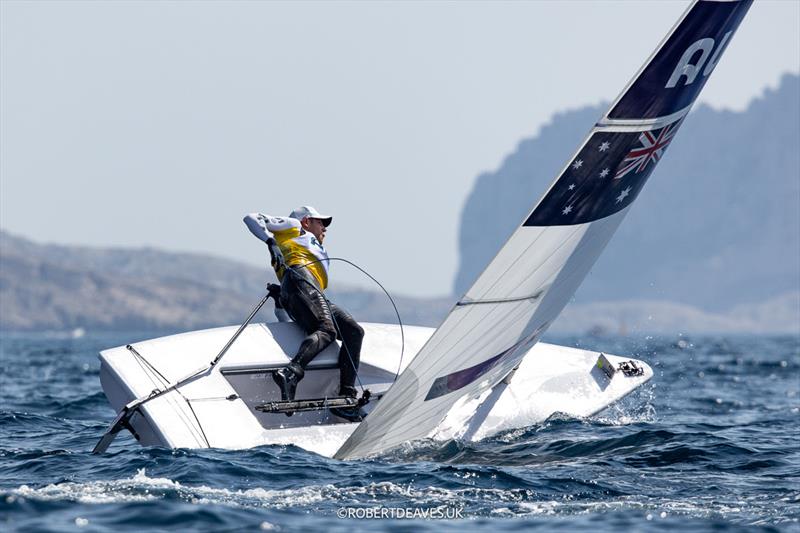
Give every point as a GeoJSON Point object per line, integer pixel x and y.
{"type": "Point", "coordinates": [141, 497]}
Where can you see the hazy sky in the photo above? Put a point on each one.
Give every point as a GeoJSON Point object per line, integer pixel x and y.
{"type": "Point", "coordinates": [163, 123]}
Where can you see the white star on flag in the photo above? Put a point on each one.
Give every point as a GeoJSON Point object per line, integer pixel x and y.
{"type": "Point", "coordinates": [577, 164]}
{"type": "Point", "coordinates": [625, 192]}
{"type": "Point", "coordinates": [605, 145]}
{"type": "Point", "coordinates": [567, 210]}
{"type": "Point", "coordinates": [604, 173]}
{"type": "Point", "coordinates": [572, 186]}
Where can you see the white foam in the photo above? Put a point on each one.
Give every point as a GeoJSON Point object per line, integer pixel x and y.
{"type": "Point", "coordinates": [502, 502]}
{"type": "Point", "coordinates": [122, 490]}
{"type": "Point", "coordinates": [456, 421]}
{"type": "Point", "coordinates": [140, 487]}
{"type": "Point", "coordinates": [323, 439]}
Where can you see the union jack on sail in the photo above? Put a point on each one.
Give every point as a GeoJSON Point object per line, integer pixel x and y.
{"type": "Point", "coordinates": [652, 149]}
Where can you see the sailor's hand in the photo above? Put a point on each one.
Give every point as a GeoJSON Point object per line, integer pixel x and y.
{"type": "Point", "coordinates": [277, 261]}
{"type": "Point", "coordinates": [276, 255]}
{"type": "Point", "coordinates": [275, 293]}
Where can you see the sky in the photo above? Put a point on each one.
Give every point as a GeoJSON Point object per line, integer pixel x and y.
{"type": "Point", "coordinates": [162, 124]}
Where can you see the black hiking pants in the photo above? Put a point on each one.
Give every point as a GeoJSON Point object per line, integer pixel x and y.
{"type": "Point", "coordinates": [305, 303]}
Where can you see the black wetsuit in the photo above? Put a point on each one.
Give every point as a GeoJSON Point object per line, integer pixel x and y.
{"type": "Point", "coordinates": [301, 263]}
{"type": "Point", "coordinates": [306, 304]}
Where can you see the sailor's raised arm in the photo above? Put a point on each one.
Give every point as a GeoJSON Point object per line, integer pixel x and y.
{"type": "Point", "coordinates": [263, 226]}
{"type": "Point", "coordinates": [257, 224]}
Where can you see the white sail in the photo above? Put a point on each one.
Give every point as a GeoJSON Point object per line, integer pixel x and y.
{"type": "Point", "coordinates": [534, 275]}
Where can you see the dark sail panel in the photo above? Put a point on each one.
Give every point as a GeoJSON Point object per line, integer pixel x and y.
{"type": "Point", "coordinates": [674, 77]}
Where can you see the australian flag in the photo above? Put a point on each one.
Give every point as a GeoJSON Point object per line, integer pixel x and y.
{"type": "Point", "coordinates": [605, 177]}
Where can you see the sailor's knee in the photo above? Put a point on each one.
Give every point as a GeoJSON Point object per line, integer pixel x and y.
{"type": "Point", "coordinates": [350, 327]}
{"type": "Point", "coordinates": [327, 333]}
{"type": "Point", "coordinates": [352, 333]}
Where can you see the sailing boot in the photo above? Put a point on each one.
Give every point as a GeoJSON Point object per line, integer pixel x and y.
{"type": "Point", "coordinates": [351, 414]}
{"type": "Point", "coordinates": [287, 378]}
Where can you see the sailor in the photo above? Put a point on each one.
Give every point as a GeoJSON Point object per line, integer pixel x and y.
{"type": "Point", "coordinates": [301, 264]}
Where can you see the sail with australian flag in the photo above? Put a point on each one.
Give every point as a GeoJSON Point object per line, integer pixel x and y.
{"type": "Point", "coordinates": [537, 271]}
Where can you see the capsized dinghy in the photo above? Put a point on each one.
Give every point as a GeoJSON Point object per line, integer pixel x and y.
{"type": "Point", "coordinates": [484, 369]}
{"type": "Point", "coordinates": [221, 408]}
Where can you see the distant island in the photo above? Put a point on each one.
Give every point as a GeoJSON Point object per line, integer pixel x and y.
{"type": "Point", "coordinates": [711, 245]}
{"type": "Point", "coordinates": [54, 287]}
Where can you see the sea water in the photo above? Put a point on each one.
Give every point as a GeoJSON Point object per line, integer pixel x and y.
{"type": "Point", "coordinates": [711, 442]}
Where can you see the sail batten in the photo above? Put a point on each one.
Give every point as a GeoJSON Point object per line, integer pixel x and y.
{"type": "Point", "coordinates": [534, 296]}
{"type": "Point", "coordinates": [609, 124]}
{"type": "Point", "coordinates": [535, 274]}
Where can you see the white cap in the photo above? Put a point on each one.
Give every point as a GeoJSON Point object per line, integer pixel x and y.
{"type": "Point", "coordinates": [307, 211]}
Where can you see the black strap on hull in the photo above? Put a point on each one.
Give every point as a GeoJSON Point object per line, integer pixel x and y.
{"type": "Point", "coordinates": [316, 404]}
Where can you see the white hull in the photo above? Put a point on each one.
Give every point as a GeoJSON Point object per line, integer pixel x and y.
{"type": "Point", "coordinates": [217, 409]}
